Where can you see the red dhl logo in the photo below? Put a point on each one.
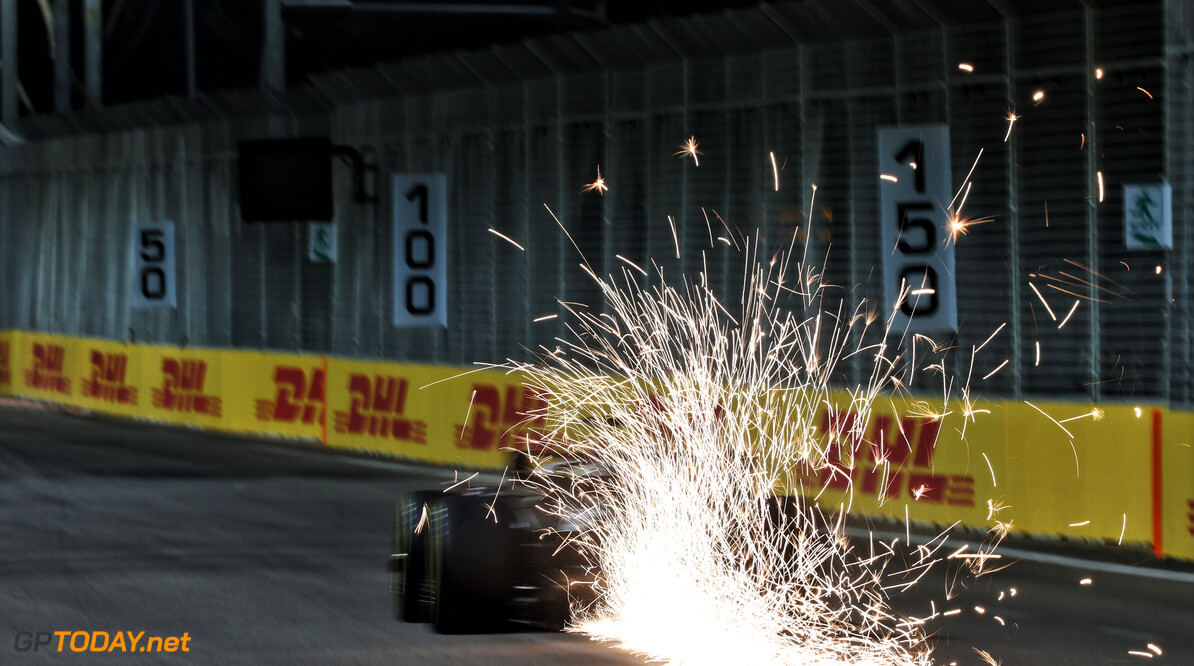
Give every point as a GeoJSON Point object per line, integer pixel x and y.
{"type": "Point", "coordinates": [297, 399]}
{"type": "Point", "coordinates": [376, 408]}
{"type": "Point", "coordinates": [47, 371]}
{"type": "Point", "coordinates": [107, 379]}
{"type": "Point", "coordinates": [854, 462]}
{"type": "Point", "coordinates": [5, 369]}
{"type": "Point", "coordinates": [497, 423]}
{"type": "Point", "coordinates": [182, 388]}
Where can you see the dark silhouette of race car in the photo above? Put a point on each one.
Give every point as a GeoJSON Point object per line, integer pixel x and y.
{"type": "Point", "coordinates": [484, 560]}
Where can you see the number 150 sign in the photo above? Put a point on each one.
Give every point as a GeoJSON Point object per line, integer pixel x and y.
{"type": "Point", "coordinates": [918, 257]}
{"type": "Point", "coordinates": [420, 250]}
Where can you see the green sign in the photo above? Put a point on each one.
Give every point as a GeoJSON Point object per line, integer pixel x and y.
{"type": "Point", "coordinates": [1148, 217]}
{"type": "Point", "coordinates": [321, 243]}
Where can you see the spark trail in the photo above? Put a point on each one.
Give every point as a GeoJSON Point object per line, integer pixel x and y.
{"type": "Point", "coordinates": [698, 418]}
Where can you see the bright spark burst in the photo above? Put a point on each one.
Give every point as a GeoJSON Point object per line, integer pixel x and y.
{"type": "Point", "coordinates": [689, 149]}
{"type": "Point", "coordinates": [598, 185]}
{"type": "Point", "coordinates": [698, 418]}
{"type": "Point", "coordinates": [960, 226]}
{"type": "Point", "coordinates": [1011, 120]}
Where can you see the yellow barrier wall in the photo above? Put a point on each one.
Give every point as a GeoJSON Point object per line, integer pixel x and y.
{"type": "Point", "coordinates": [430, 413]}
{"type": "Point", "coordinates": [1095, 488]}
{"type": "Point", "coordinates": [1177, 497]}
{"type": "Point", "coordinates": [1129, 474]}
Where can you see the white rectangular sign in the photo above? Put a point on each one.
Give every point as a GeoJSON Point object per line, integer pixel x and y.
{"type": "Point", "coordinates": [918, 254]}
{"type": "Point", "coordinates": [420, 250]}
{"type": "Point", "coordinates": [1148, 217]}
{"type": "Point", "coordinates": [321, 242]}
{"type": "Point", "coordinates": [153, 265]}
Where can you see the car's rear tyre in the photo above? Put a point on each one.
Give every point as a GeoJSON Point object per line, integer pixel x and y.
{"type": "Point", "coordinates": [409, 587]}
{"type": "Point", "coordinates": [471, 561]}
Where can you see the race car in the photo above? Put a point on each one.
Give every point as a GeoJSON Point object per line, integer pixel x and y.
{"type": "Point", "coordinates": [484, 560]}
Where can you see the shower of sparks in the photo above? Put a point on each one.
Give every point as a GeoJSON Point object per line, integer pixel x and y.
{"type": "Point", "coordinates": [960, 226]}
{"type": "Point", "coordinates": [1158, 270]}
{"type": "Point", "coordinates": [994, 507]}
{"type": "Point", "coordinates": [992, 470]}
{"type": "Point", "coordinates": [566, 234]}
{"type": "Point", "coordinates": [1055, 421]}
{"type": "Point", "coordinates": [459, 482]}
{"type": "Point", "coordinates": [1155, 648]}
{"type": "Point", "coordinates": [1043, 301]}
{"type": "Point", "coordinates": [1099, 73]}
{"type": "Point", "coordinates": [1038, 96]}
{"type": "Point", "coordinates": [598, 185]}
{"type": "Point", "coordinates": [1150, 95]}
{"type": "Point", "coordinates": [997, 369]}
{"type": "Point", "coordinates": [1037, 362]}
{"type": "Point", "coordinates": [1068, 315]}
{"type": "Point", "coordinates": [506, 238]}
{"type": "Point", "coordinates": [689, 148]}
{"type": "Point", "coordinates": [675, 237]}
{"type": "Point", "coordinates": [631, 264]}
{"type": "Point", "coordinates": [1100, 175]}
{"type": "Point", "coordinates": [1122, 528]}
{"type": "Point", "coordinates": [1095, 414]}
{"type": "Point", "coordinates": [889, 178]}
{"type": "Point", "coordinates": [697, 417]}
{"type": "Point", "coordinates": [1011, 120]}
{"type": "Point", "coordinates": [991, 337]}
{"type": "Point", "coordinates": [1085, 581]}
{"type": "Point", "coordinates": [1069, 279]}
{"type": "Point", "coordinates": [965, 67]}
{"type": "Point", "coordinates": [1081, 524]}
{"type": "Point", "coordinates": [775, 171]}
{"type": "Point", "coordinates": [544, 318]}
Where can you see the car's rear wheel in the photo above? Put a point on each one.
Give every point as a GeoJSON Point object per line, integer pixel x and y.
{"type": "Point", "coordinates": [409, 587]}
{"type": "Point", "coordinates": [470, 558]}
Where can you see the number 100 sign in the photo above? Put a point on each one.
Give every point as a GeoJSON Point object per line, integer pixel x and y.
{"type": "Point", "coordinates": [420, 250]}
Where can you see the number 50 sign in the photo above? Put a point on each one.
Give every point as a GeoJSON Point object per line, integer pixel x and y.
{"type": "Point", "coordinates": [153, 265]}
{"type": "Point", "coordinates": [420, 250]}
{"type": "Point", "coordinates": [918, 257]}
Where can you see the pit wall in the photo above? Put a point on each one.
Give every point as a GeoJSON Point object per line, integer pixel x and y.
{"type": "Point", "coordinates": [1127, 476]}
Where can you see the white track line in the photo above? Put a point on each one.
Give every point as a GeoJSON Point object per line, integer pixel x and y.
{"type": "Point", "coordinates": [1044, 558]}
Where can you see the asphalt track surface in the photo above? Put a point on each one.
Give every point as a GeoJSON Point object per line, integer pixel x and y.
{"type": "Point", "coordinates": [264, 554]}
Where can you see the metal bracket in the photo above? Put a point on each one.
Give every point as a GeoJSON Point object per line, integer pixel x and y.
{"type": "Point", "coordinates": [359, 171]}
